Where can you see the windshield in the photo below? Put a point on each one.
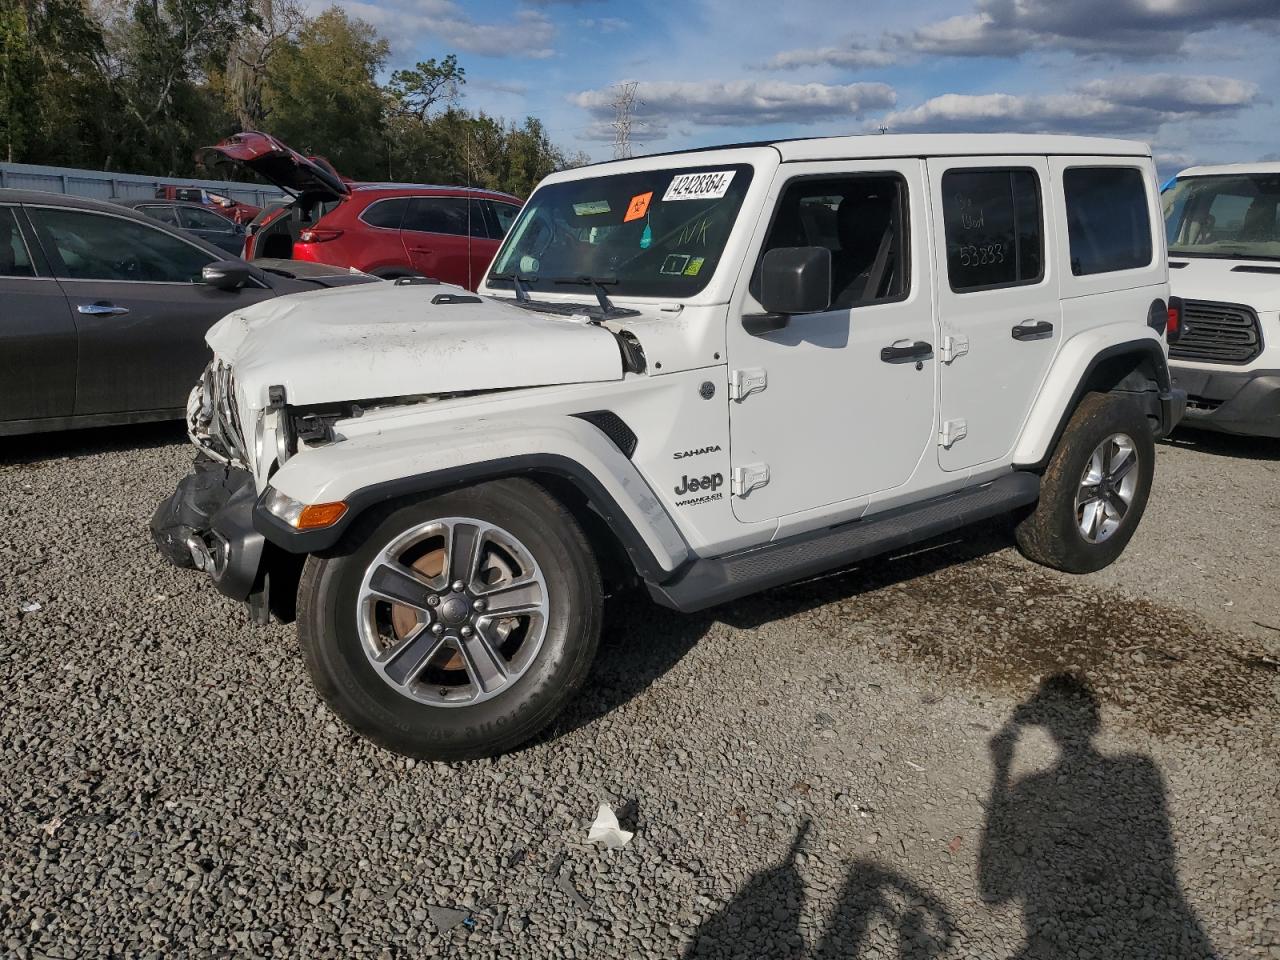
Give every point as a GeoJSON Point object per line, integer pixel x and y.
{"type": "Point", "coordinates": [656, 233]}
{"type": "Point", "coordinates": [1224, 216]}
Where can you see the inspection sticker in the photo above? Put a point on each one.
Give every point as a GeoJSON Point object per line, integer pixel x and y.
{"type": "Point", "coordinates": [675, 264]}
{"type": "Point", "coordinates": [694, 266]}
{"type": "Point", "coordinates": [699, 186]}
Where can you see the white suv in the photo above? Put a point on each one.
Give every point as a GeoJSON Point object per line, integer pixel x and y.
{"type": "Point", "coordinates": [1223, 228]}
{"type": "Point", "coordinates": [705, 373]}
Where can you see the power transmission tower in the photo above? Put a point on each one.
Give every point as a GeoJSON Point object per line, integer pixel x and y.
{"type": "Point", "coordinates": [624, 107]}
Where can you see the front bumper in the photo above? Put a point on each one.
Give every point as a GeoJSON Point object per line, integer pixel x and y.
{"type": "Point", "coordinates": [1245, 402]}
{"type": "Point", "coordinates": [207, 524]}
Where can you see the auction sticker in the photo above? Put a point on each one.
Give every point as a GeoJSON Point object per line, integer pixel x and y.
{"type": "Point", "coordinates": [699, 186]}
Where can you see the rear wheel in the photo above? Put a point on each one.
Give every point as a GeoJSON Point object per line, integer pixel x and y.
{"type": "Point", "coordinates": [455, 627]}
{"type": "Point", "coordinates": [1095, 488]}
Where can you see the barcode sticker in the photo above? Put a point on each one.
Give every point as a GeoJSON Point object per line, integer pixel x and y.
{"type": "Point", "coordinates": [699, 186]}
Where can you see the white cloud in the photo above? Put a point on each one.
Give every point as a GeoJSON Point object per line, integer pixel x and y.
{"type": "Point", "coordinates": [529, 33]}
{"type": "Point", "coordinates": [1120, 106]}
{"type": "Point", "coordinates": [1133, 28]}
{"type": "Point", "coordinates": [744, 102]}
{"type": "Point", "coordinates": [604, 24]}
{"type": "Point", "coordinates": [852, 57]}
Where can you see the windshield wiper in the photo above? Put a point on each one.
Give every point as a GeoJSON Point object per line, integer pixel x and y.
{"type": "Point", "coordinates": [598, 285]}
{"type": "Point", "coordinates": [518, 281]}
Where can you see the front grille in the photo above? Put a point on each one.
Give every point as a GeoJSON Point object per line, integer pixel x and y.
{"type": "Point", "coordinates": [1217, 333]}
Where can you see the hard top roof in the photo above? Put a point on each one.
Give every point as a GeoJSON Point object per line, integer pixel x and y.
{"type": "Point", "coordinates": [872, 146]}
{"type": "Point", "coordinates": [1230, 169]}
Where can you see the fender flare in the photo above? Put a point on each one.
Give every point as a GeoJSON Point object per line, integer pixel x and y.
{"type": "Point", "coordinates": [564, 447]}
{"type": "Point", "coordinates": [1077, 362]}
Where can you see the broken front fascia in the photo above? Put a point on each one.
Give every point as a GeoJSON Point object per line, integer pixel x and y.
{"type": "Point", "coordinates": [214, 425]}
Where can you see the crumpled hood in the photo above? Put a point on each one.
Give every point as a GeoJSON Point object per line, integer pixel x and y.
{"type": "Point", "coordinates": [383, 340]}
{"type": "Point", "coordinates": [1208, 278]}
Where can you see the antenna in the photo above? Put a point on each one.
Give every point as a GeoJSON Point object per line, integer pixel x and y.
{"type": "Point", "coordinates": [624, 106]}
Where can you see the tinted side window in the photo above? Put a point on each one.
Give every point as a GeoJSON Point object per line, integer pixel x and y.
{"type": "Point", "coordinates": [162, 213]}
{"type": "Point", "coordinates": [439, 215]}
{"type": "Point", "coordinates": [94, 246]}
{"type": "Point", "coordinates": [15, 261]}
{"type": "Point", "coordinates": [1107, 219]}
{"type": "Point", "coordinates": [861, 221]}
{"type": "Point", "coordinates": [994, 228]}
{"type": "Point", "coordinates": [386, 213]}
{"type": "Point", "coordinates": [204, 220]}
{"type": "Point", "coordinates": [506, 214]}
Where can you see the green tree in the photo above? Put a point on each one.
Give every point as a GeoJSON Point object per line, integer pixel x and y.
{"type": "Point", "coordinates": [321, 95]}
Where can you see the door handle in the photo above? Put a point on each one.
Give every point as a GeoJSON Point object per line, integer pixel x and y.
{"type": "Point", "coordinates": [102, 309]}
{"type": "Point", "coordinates": [1033, 330]}
{"type": "Point", "coordinates": [911, 353]}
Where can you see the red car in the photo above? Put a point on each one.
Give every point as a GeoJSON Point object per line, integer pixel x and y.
{"type": "Point", "coordinates": [386, 229]}
{"type": "Point", "coordinates": [235, 210]}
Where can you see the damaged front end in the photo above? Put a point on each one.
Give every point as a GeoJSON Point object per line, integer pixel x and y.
{"type": "Point", "coordinates": [206, 524]}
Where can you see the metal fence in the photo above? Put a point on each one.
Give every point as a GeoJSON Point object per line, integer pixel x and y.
{"type": "Point", "coordinates": [104, 185]}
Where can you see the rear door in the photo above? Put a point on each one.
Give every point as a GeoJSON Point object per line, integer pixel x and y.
{"type": "Point", "coordinates": [140, 311]}
{"type": "Point", "coordinates": [37, 333]}
{"type": "Point", "coordinates": [997, 295]}
{"type": "Point", "coordinates": [437, 243]}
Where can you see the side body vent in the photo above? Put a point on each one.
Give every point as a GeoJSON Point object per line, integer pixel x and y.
{"type": "Point", "coordinates": [613, 427]}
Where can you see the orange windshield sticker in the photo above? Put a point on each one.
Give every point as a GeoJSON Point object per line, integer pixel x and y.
{"type": "Point", "coordinates": [639, 206]}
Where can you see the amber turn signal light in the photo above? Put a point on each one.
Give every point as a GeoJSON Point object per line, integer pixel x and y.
{"type": "Point", "coordinates": [316, 515]}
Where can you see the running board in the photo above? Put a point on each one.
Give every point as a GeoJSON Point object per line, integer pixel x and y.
{"type": "Point", "coordinates": [709, 581]}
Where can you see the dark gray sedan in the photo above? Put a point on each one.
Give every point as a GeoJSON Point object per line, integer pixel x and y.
{"type": "Point", "coordinates": [207, 224]}
{"type": "Point", "coordinates": [103, 311]}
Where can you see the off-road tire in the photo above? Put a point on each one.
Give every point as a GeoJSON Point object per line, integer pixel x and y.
{"type": "Point", "coordinates": [341, 671]}
{"type": "Point", "coordinates": [1051, 534]}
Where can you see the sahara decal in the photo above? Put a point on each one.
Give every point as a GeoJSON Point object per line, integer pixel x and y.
{"type": "Point", "coordinates": [697, 452]}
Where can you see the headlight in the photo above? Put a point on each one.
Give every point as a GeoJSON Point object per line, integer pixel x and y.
{"type": "Point", "coordinates": [302, 516]}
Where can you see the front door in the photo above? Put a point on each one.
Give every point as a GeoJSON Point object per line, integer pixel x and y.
{"type": "Point", "coordinates": [140, 309]}
{"type": "Point", "coordinates": [839, 404]}
{"type": "Point", "coordinates": [37, 334]}
{"type": "Point", "coordinates": [997, 294]}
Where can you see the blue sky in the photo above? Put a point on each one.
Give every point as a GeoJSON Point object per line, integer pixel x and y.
{"type": "Point", "coordinates": [1195, 78]}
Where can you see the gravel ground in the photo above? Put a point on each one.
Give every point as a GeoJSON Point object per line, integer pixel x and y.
{"type": "Point", "coordinates": [869, 765]}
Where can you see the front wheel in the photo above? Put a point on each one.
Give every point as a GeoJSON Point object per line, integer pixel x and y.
{"type": "Point", "coordinates": [1095, 488]}
{"type": "Point", "coordinates": [454, 627]}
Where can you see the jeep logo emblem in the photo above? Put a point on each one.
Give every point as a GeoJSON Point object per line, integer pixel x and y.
{"type": "Point", "coordinates": [690, 484]}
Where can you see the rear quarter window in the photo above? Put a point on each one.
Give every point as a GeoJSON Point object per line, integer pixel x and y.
{"type": "Point", "coordinates": [1108, 222]}
{"type": "Point", "coordinates": [386, 213]}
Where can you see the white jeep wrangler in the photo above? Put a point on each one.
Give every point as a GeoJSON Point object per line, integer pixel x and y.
{"type": "Point", "coordinates": [1223, 230]}
{"type": "Point", "coordinates": [707, 373]}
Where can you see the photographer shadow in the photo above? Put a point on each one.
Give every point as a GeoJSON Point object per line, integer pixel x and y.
{"type": "Point", "coordinates": [1085, 845]}
{"type": "Point", "coordinates": [876, 905]}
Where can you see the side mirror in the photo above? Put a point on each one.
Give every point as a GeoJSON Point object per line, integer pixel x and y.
{"type": "Point", "coordinates": [796, 280]}
{"type": "Point", "coordinates": [226, 274]}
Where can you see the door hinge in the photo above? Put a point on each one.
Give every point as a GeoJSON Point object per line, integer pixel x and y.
{"type": "Point", "coordinates": [952, 430]}
{"type": "Point", "coordinates": [952, 347]}
{"type": "Point", "coordinates": [743, 383]}
{"type": "Point", "coordinates": [745, 479]}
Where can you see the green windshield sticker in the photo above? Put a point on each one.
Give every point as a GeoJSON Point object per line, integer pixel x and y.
{"type": "Point", "coordinates": [694, 266]}
{"type": "Point", "coordinates": [591, 208]}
